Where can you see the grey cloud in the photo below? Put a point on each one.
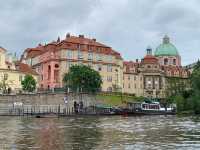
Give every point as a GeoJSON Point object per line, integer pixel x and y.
{"type": "Point", "coordinates": [129, 26]}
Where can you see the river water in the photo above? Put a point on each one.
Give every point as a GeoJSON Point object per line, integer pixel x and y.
{"type": "Point", "coordinates": [100, 133]}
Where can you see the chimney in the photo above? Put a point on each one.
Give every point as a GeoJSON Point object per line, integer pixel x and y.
{"type": "Point", "coordinates": [68, 35]}
{"type": "Point", "coordinates": [81, 36]}
{"type": "Point", "coordinates": [94, 40]}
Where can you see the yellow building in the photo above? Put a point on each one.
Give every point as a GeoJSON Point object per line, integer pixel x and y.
{"type": "Point", "coordinates": [12, 72]}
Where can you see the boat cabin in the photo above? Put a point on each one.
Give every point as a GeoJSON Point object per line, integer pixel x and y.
{"type": "Point", "coordinates": [150, 106]}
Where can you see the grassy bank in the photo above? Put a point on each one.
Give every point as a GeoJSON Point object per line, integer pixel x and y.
{"type": "Point", "coordinates": [116, 99]}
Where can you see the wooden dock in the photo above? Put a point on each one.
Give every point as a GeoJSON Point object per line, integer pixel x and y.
{"type": "Point", "coordinates": [35, 110]}
{"type": "Point", "coordinates": [41, 111]}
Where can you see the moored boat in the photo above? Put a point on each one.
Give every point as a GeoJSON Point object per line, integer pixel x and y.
{"type": "Point", "coordinates": [149, 108]}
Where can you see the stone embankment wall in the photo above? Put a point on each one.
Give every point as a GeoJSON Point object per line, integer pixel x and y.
{"type": "Point", "coordinates": [47, 99]}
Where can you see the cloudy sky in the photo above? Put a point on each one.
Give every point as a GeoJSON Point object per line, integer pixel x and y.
{"type": "Point", "coordinates": [128, 26]}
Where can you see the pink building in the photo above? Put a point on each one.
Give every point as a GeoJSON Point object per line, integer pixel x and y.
{"type": "Point", "coordinates": [53, 60]}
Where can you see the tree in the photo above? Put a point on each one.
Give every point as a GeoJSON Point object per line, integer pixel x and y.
{"type": "Point", "coordinates": [195, 80]}
{"type": "Point", "coordinates": [179, 103]}
{"type": "Point", "coordinates": [82, 78]}
{"type": "Point", "coordinates": [29, 83]}
{"type": "Point", "coordinates": [4, 85]}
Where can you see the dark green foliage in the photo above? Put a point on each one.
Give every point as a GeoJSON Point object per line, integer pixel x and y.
{"type": "Point", "coordinates": [195, 80]}
{"type": "Point", "coordinates": [82, 78]}
{"type": "Point", "coordinates": [179, 103]}
{"type": "Point", "coordinates": [177, 86]}
{"type": "Point", "coordinates": [190, 99]}
{"type": "Point", "coordinates": [29, 83]}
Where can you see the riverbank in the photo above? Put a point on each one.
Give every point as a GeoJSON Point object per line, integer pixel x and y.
{"type": "Point", "coordinates": [117, 99]}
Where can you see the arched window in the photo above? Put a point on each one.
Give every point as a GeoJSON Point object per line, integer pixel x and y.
{"type": "Point", "coordinates": [174, 61]}
{"type": "Point", "coordinates": [165, 61]}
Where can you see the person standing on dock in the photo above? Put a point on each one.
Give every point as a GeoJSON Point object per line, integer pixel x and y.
{"type": "Point", "coordinates": [75, 107]}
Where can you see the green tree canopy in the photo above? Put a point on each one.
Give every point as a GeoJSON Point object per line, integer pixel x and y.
{"type": "Point", "coordinates": [29, 83]}
{"type": "Point", "coordinates": [195, 80]}
{"type": "Point", "coordinates": [82, 78]}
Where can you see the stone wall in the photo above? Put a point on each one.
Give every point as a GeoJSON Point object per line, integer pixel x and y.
{"type": "Point", "coordinates": [47, 99]}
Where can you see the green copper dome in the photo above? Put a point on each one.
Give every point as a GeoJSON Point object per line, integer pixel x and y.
{"type": "Point", "coordinates": [166, 48]}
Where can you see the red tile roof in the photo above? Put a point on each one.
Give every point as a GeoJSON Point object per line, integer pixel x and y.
{"type": "Point", "coordinates": [131, 67]}
{"type": "Point", "coordinates": [68, 43]}
{"type": "Point", "coordinates": [24, 68]}
{"type": "Point", "coordinates": [150, 59]}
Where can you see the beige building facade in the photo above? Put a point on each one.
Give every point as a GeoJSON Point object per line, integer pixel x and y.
{"type": "Point", "coordinates": [13, 72]}
{"type": "Point", "coordinates": [146, 77]}
{"type": "Point", "coordinates": [150, 77]}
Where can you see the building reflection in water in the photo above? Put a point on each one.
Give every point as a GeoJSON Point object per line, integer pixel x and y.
{"type": "Point", "coordinates": [49, 136]}
{"type": "Point", "coordinates": [59, 133]}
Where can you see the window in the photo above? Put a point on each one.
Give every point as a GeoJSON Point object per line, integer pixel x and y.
{"type": "Point", "coordinates": [20, 78]}
{"type": "Point", "coordinates": [5, 76]}
{"type": "Point", "coordinates": [174, 61]}
{"type": "Point", "coordinates": [135, 78]}
{"type": "Point", "coordinates": [109, 68]}
{"type": "Point", "coordinates": [129, 86]}
{"type": "Point", "coordinates": [98, 49]}
{"type": "Point", "coordinates": [69, 54]}
{"type": "Point", "coordinates": [41, 67]}
{"type": "Point", "coordinates": [148, 66]}
{"type": "Point", "coordinates": [80, 54]}
{"type": "Point", "coordinates": [99, 67]}
{"type": "Point", "coordinates": [90, 56]}
{"type": "Point", "coordinates": [135, 86]}
{"type": "Point", "coordinates": [109, 78]}
{"type": "Point", "coordinates": [129, 77]}
{"type": "Point", "coordinates": [140, 78]}
{"type": "Point", "coordinates": [165, 61]}
{"type": "Point", "coordinates": [78, 46]}
{"type": "Point", "coordinates": [149, 83]}
{"type": "Point", "coordinates": [99, 57]}
{"type": "Point", "coordinates": [109, 58]}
